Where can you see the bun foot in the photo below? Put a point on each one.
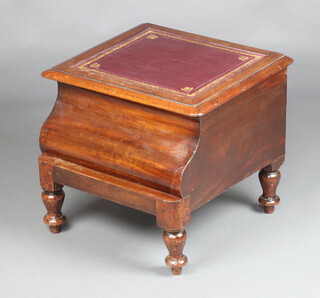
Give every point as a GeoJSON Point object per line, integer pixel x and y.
{"type": "Point", "coordinates": [176, 264]}
{"type": "Point", "coordinates": [175, 242]}
{"type": "Point", "coordinates": [53, 201]}
{"type": "Point", "coordinates": [268, 209]}
{"type": "Point", "coordinates": [55, 229]}
{"type": "Point", "coordinates": [176, 271]}
{"type": "Point", "coordinates": [269, 182]}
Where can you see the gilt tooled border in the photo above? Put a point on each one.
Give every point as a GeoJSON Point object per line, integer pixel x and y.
{"type": "Point", "coordinates": [83, 65]}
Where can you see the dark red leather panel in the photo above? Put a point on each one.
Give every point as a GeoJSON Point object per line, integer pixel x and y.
{"type": "Point", "coordinates": [170, 62]}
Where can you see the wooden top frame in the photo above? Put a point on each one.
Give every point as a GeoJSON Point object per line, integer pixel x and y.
{"type": "Point", "coordinates": [248, 67]}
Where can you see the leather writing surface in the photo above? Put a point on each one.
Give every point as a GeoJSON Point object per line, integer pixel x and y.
{"type": "Point", "coordinates": [170, 62]}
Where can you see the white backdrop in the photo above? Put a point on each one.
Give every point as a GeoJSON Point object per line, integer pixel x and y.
{"type": "Point", "coordinates": [107, 250]}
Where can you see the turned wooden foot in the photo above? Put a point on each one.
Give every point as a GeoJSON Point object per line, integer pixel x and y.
{"type": "Point", "coordinates": [53, 201]}
{"type": "Point", "coordinates": [175, 242]}
{"type": "Point", "coordinates": [269, 182]}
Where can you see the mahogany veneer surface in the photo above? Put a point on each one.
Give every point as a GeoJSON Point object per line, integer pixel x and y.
{"type": "Point", "coordinates": [163, 121]}
{"type": "Point", "coordinates": [169, 69]}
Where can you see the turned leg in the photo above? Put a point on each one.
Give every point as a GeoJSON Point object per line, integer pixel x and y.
{"type": "Point", "coordinates": [53, 201]}
{"type": "Point", "coordinates": [269, 180]}
{"type": "Point", "coordinates": [175, 242]}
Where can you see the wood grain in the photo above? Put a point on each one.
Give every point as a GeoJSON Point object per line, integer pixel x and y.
{"type": "Point", "coordinates": [140, 143]}
{"type": "Point", "coordinates": [175, 242]}
{"type": "Point", "coordinates": [159, 153]}
{"type": "Point", "coordinates": [236, 140]}
{"type": "Point", "coordinates": [199, 105]}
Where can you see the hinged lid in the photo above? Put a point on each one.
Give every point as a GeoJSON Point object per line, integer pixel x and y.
{"type": "Point", "coordinates": [168, 69]}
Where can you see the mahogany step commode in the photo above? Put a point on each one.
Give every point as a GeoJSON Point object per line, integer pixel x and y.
{"type": "Point", "coordinates": [163, 121]}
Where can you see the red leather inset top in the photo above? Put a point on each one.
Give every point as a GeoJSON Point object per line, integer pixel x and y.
{"type": "Point", "coordinates": [170, 62]}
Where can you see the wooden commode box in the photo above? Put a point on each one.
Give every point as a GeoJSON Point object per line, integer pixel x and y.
{"type": "Point", "coordinates": [163, 121]}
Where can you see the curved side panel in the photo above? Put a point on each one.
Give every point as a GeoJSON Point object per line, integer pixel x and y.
{"type": "Point", "coordinates": [125, 139]}
{"type": "Point", "coordinates": [236, 140]}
